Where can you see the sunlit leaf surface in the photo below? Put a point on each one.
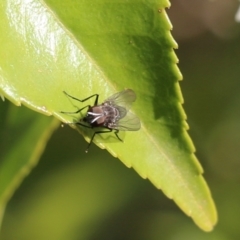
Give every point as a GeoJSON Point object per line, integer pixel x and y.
{"type": "Point", "coordinates": [87, 47]}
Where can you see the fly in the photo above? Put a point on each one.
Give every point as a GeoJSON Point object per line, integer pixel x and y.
{"type": "Point", "coordinates": [113, 114]}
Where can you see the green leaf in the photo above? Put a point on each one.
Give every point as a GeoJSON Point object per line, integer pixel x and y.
{"type": "Point", "coordinates": [86, 47]}
{"type": "Point", "coordinates": [23, 138]}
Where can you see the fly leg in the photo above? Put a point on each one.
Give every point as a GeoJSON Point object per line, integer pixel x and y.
{"type": "Point", "coordinates": [98, 132]}
{"type": "Point", "coordinates": [103, 131]}
{"type": "Point", "coordinates": [79, 110]}
{"type": "Point", "coordinates": [88, 106]}
{"type": "Point", "coordinates": [85, 99]}
{"type": "Point", "coordinates": [116, 133]}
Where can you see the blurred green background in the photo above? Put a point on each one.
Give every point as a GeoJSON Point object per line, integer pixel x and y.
{"type": "Point", "coordinates": [61, 199]}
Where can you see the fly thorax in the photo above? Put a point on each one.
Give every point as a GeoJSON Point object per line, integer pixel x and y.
{"type": "Point", "coordinates": [95, 116]}
{"type": "Point", "coordinates": [111, 114]}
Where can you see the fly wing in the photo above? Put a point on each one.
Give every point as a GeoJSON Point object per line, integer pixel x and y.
{"type": "Point", "coordinates": [124, 98]}
{"type": "Point", "coordinates": [129, 123]}
{"type": "Point", "coordinates": [122, 111]}
{"type": "Point", "coordinates": [122, 101]}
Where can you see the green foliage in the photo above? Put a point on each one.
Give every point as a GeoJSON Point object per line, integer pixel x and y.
{"type": "Point", "coordinates": [86, 47]}
{"type": "Point", "coordinates": [23, 139]}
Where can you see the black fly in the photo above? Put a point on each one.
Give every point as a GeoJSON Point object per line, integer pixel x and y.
{"type": "Point", "coordinates": [113, 114]}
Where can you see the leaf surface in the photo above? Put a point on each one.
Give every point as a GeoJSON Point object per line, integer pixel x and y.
{"type": "Point", "coordinates": [87, 47]}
